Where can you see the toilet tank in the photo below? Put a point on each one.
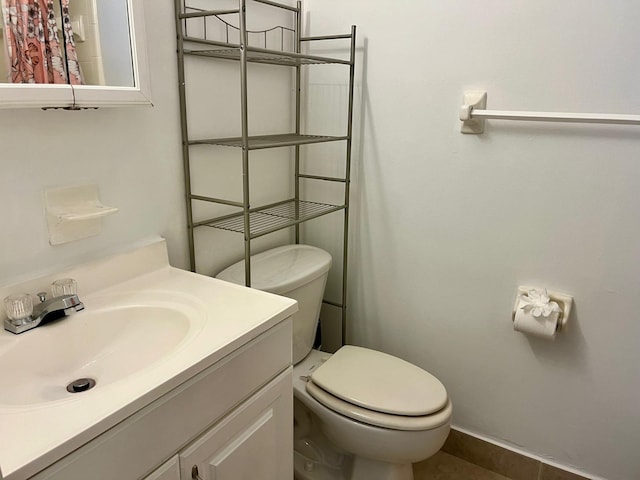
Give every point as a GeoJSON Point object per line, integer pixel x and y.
{"type": "Point", "coordinates": [295, 271]}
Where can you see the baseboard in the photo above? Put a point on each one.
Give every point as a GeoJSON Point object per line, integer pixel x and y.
{"type": "Point", "coordinates": [507, 460]}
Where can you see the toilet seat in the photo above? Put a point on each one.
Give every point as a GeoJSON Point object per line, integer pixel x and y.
{"type": "Point", "coordinates": [370, 417]}
{"type": "Point", "coordinates": [363, 384]}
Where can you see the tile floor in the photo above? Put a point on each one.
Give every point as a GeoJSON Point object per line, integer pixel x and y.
{"type": "Point", "coordinates": [464, 457]}
{"type": "Point", "coordinates": [444, 466]}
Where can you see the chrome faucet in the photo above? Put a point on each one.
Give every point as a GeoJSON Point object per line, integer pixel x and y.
{"type": "Point", "coordinates": [23, 316]}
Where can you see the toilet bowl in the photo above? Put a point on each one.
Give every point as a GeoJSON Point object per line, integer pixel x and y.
{"type": "Point", "coordinates": [383, 444]}
{"type": "Point", "coordinates": [359, 413]}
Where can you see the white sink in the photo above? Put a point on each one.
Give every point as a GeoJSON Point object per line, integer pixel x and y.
{"type": "Point", "coordinates": [146, 329]}
{"type": "Point", "coordinates": [106, 344]}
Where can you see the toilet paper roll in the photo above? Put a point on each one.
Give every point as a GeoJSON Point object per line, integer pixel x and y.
{"type": "Point", "coordinates": [543, 327]}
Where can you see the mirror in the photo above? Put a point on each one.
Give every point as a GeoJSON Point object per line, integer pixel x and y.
{"type": "Point", "coordinates": [103, 64]}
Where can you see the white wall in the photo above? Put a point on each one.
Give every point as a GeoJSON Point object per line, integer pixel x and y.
{"type": "Point", "coordinates": [133, 154]}
{"type": "Point", "coordinates": [114, 42]}
{"type": "Point", "coordinates": [446, 226]}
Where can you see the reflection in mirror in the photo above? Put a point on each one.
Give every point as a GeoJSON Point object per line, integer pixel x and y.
{"type": "Point", "coordinates": [36, 53]}
{"type": "Point", "coordinates": [115, 42]}
{"type": "Point", "coordinates": [84, 42]}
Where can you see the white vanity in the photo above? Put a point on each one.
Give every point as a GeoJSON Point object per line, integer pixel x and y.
{"type": "Point", "coordinates": [193, 379]}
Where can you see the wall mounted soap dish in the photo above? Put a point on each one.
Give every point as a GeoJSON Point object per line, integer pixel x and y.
{"type": "Point", "coordinates": [74, 213]}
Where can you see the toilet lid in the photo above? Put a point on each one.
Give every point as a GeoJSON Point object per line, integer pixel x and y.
{"type": "Point", "coordinates": [373, 380]}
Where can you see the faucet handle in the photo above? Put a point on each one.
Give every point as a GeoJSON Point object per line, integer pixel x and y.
{"type": "Point", "coordinates": [19, 307]}
{"type": "Point", "coordinates": [64, 286]}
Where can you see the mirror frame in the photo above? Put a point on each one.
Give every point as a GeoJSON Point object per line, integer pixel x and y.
{"type": "Point", "coordinates": [23, 95]}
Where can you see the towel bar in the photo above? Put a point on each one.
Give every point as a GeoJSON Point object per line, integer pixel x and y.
{"type": "Point", "coordinates": [473, 115]}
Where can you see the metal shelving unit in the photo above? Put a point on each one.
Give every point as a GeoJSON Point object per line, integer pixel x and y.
{"type": "Point", "coordinates": [254, 222]}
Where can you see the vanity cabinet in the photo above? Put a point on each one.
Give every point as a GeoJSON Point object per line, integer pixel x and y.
{"type": "Point", "coordinates": [253, 441]}
{"type": "Point", "coordinates": [232, 421]}
{"type": "Point", "coordinates": [170, 470]}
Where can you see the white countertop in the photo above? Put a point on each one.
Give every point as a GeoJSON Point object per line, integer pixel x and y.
{"type": "Point", "coordinates": [35, 436]}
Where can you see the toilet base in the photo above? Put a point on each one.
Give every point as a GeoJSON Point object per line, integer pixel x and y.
{"type": "Point", "coordinates": [317, 458]}
{"type": "Point", "coordinates": [358, 469]}
{"type": "Point", "coordinates": [307, 469]}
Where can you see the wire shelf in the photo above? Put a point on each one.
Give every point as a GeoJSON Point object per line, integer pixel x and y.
{"type": "Point", "coordinates": [274, 217]}
{"type": "Point", "coordinates": [271, 57]}
{"type": "Point", "coordinates": [269, 141]}
{"type": "Point", "coordinates": [219, 42]}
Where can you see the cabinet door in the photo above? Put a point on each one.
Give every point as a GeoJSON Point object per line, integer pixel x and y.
{"type": "Point", "coordinates": [253, 441]}
{"type": "Point", "coordinates": [170, 470]}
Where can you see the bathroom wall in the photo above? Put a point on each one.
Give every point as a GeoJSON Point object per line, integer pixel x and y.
{"type": "Point", "coordinates": [132, 153]}
{"type": "Point", "coordinates": [446, 226]}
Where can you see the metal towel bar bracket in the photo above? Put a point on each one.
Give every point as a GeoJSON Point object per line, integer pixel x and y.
{"type": "Point", "coordinates": [473, 115]}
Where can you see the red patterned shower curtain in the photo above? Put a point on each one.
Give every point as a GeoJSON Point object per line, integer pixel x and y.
{"type": "Point", "coordinates": [33, 44]}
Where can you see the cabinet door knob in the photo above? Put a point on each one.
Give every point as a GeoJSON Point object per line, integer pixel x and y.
{"type": "Point", "coordinates": [195, 475]}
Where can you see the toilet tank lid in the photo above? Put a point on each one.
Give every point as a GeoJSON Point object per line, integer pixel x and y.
{"type": "Point", "coordinates": [380, 382]}
{"type": "Point", "coordinates": [282, 269]}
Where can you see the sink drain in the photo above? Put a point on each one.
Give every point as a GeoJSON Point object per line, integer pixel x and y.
{"type": "Point", "coordinates": [81, 385]}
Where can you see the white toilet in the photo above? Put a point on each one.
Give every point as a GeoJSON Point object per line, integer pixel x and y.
{"type": "Point", "coordinates": [360, 414]}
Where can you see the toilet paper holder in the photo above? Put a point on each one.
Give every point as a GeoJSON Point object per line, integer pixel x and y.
{"type": "Point", "coordinates": [564, 301]}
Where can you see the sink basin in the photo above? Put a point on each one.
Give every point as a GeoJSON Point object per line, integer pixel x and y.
{"type": "Point", "coordinates": [105, 343]}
